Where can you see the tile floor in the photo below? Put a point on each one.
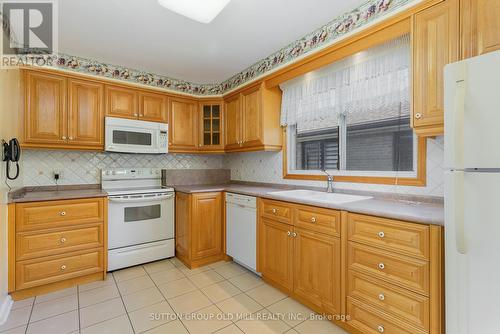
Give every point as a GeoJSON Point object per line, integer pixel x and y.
{"type": "Point", "coordinates": [222, 298]}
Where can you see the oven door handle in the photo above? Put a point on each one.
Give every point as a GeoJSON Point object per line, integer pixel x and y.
{"type": "Point", "coordinates": [140, 199]}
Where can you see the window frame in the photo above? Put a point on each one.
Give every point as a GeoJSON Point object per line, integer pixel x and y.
{"type": "Point", "coordinates": [416, 178]}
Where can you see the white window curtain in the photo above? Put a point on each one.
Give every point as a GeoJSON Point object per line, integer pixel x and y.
{"type": "Point", "coordinates": [371, 85]}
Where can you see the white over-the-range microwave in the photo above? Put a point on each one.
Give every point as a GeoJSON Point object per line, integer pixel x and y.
{"type": "Point", "coordinates": [134, 136]}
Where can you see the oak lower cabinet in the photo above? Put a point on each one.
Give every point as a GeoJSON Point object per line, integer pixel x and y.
{"type": "Point", "coordinates": [253, 120]}
{"type": "Point", "coordinates": [56, 244]}
{"type": "Point", "coordinates": [276, 252]}
{"type": "Point", "coordinates": [394, 280]}
{"type": "Point", "coordinates": [199, 228]}
{"type": "Point", "coordinates": [300, 261]}
{"type": "Point", "coordinates": [62, 112]}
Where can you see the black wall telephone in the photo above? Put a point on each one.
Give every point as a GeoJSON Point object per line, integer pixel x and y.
{"type": "Point", "coordinates": [12, 153]}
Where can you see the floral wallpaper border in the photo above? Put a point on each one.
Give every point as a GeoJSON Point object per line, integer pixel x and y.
{"type": "Point", "coordinates": [335, 29]}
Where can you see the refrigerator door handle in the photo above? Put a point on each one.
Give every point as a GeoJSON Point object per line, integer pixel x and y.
{"type": "Point", "coordinates": [459, 214]}
{"type": "Point", "coordinates": [459, 120]}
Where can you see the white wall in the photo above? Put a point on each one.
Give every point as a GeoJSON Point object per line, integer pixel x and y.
{"type": "Point", "coordinates": [267, 167]}
{"type": "Point", "coordinates": [9, 105]}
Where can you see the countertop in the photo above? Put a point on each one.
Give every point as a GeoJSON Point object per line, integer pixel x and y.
{"type": "Point", "coordinates": [412, 209]}
{"type": "Point", "coordinates": [52, 193]}
{"type": "Point", "coordinates": [418, 210]}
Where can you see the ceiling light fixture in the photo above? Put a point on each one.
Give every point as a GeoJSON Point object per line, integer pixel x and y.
{"type": "Point", "coordinates": [203, 11]}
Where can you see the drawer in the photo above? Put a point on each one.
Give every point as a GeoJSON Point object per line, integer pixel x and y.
{"type": "Point", "coordinates": [408, 306]}
{"type": "Point", "coordinates": [402, 237]}
{"type": "Point", "coordinates": [36, 244]}
{"type": "Point", "coordinates": [318, 220]}
{"type": "Point", "coordinates": [275, 209]}
{"type": "Point", "coordinates": [36, 272]}
{"type": "Point", "coordinates": [404, 271]}
{"type": "Point", "coordinates": [54, 214]}
{"type": "Point", "coordinates": [371, 321]}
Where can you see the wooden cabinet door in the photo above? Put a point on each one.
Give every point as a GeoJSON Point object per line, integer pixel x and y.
{"type": "Point", "coordinates": [480, 26]}
{"type": "Point", "coordinates": [316, 269]}
{"type": "Point", "coordinates": [183, 123]}
{"type": "Point", "coordinates": [86, 116]}
{"type": "Point", "coordinates": [252, 128]}
{"type": "Point", "coordinates": [45, 116]}
{"type": "Point", "coordinates": [276, 251]}
{"type": "Point", "coordinates": [206, 226]}
{"type": "Point", "coordinates": [122, 102]}
{"type": "Point", "coordinates": [153, 107]}
{"type": "Point", "coordinates": [211, 127]}
{"type": "Point", "coordinates": [436, 43]}
{"type": "Point", "coordinates": [182, 225]}
{"type": "Point", "coordinates": [232, 110]}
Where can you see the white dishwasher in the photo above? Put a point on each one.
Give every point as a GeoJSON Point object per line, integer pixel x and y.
{"type": "Point", "coordinates": [241, 229]}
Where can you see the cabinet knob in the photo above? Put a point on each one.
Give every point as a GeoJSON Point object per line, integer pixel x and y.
{"type": "Point", "coordinates": [381, 296]}
{"type": "Point", "coordinates": [63, 213]}
{"type": "Point", "coordinates": [418, 115]}
{"type": "Point", "coordinates": [275, 211]}
{"type": "Point", "coordinates": [288, 233]}
{"type": "Point", "coordinates": [294, 234]}
{"type": "Point", "coordinates": [381, 266]}
{"type": "Point", "coordinates": [70, 138]}
{"type": "Point", "coordinates": [136, 115]}
{"type": "Point", "coordinates": [141, 115]}
{"type": "Point", "coordinates": [381, 234]}
{"type": "Point", "coordinates": [313, 219]}
{"type": "Point", "coordinates": [380, 329]}
{"type": "Point", "coordinates": [64, 137]}
{"type": "Point", "coordinates": [63, 240]}
{"type": "Point", "coordinates": [63, 267]}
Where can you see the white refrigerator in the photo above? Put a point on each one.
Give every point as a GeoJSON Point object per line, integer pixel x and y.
{"type": "Point", "coordinates": [472, 195]}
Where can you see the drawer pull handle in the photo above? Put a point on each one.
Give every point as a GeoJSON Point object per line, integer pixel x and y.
{"type": "Point", "coordinates": [381, 266]}
{"type": "Point", "coordinates": [63, 240]}
{"type": "Point", "coordinates": [63, 213]}
{"type": "Point", "coordinates": [381, 296]}
{"type": "Point", "coordinates": [381, 234]}
{"type": "Point", "coordinates": [63, 267]}
{"type": "Point", "coordinates": [313, 219]}
{"type": "Point", "coordinates": [380, 329]}
{"type": "Point", "coordinates": [289, 233]}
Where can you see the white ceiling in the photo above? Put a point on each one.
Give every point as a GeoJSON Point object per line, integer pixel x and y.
{"type": "Point", "coordinates": [141, 34]}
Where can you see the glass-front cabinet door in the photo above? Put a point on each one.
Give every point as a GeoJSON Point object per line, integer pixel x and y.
{"type": "Point", "coordinates": [211, 138]}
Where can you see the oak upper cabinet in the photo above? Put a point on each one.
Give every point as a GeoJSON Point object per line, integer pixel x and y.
{"type": "Point", "coordinates": [252, 123]}
{"type": "Point", "coordinates": [122, 102]}
{"type": "Point", "coordinates": [480, 26]}
{"type": "Point", "coordinates": [253, 120]}
{"type": "Point", "coordinates": [45, 116]}
{"type": "Point", "coordinates": [61, 112]}
{"type": "Point", "coordinates": [436, 43]}
{"type": "Point", "coordinates": [276, 252]}
{"type": "Point", "coordinates": [211, 126]}
{"type": "Point", "coordinates": [232, 108]}
{"type": "Point", "coordinates": [199, 228]}
{"type": "Point", "coordinates": [183, 123]}
{"type": "Point", "coordinates": [316, 269]}
{"type": "Point", "coordinates": [153, 107]}
{"type": "Point", "coordinates": [86, 113]}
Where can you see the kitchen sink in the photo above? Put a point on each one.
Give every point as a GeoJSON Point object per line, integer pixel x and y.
{"type": "Point", "coordinates": [318, 196]}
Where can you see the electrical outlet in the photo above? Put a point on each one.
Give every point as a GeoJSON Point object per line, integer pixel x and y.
{"type": "Point", "coordinates": [57, 175]}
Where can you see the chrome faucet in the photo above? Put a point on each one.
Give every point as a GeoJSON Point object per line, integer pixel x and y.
{"type": "Point", "coordinates": [329, 184]}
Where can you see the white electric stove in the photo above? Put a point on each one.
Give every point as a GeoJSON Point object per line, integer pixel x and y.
{"type": "Point", "coordinates": [140, 216]}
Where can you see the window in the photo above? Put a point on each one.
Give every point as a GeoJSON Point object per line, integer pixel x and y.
{"type": "Point", "coordinates": [353, 117]}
